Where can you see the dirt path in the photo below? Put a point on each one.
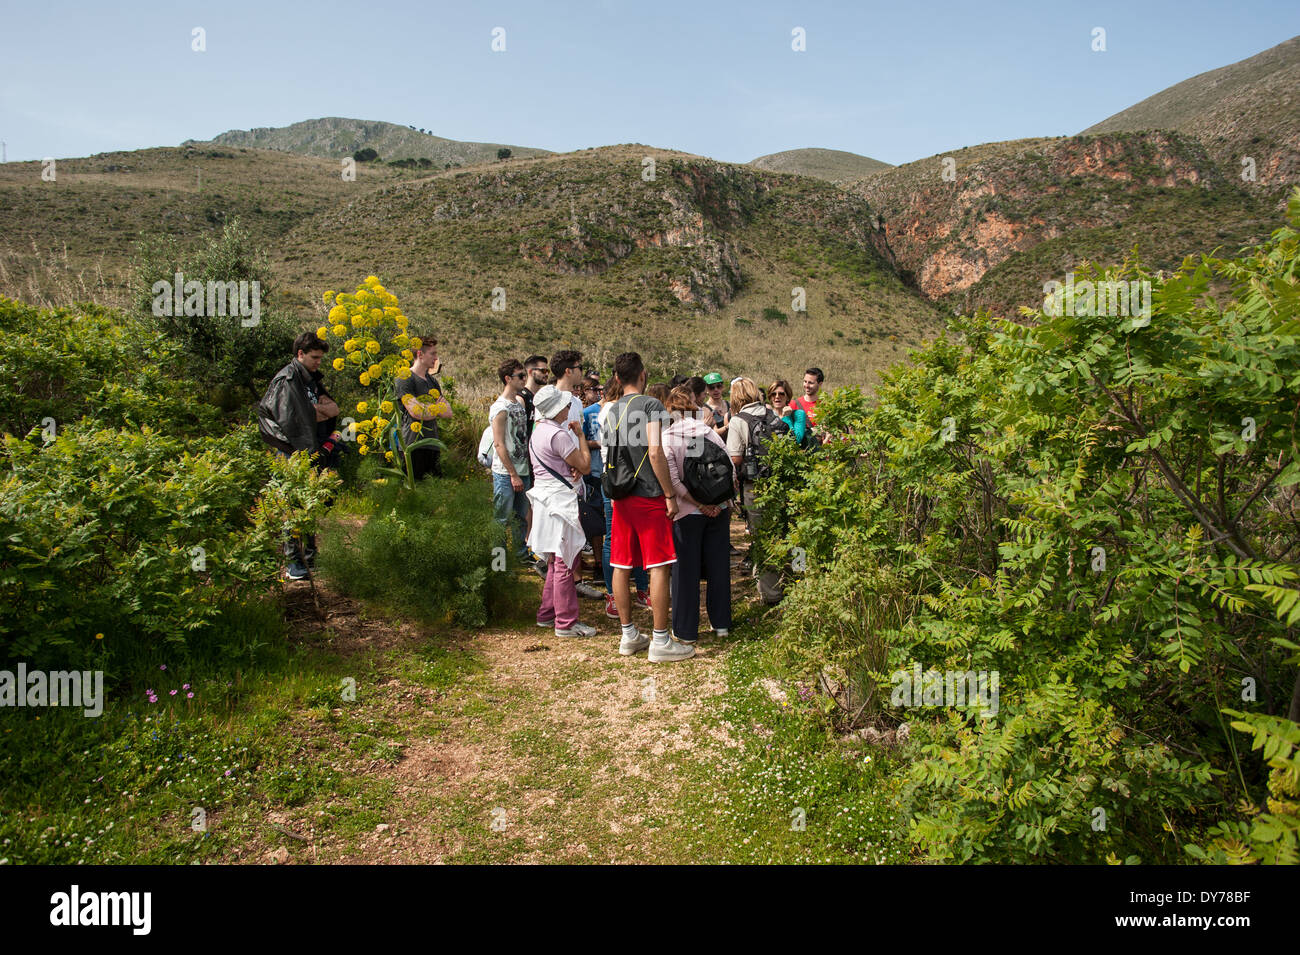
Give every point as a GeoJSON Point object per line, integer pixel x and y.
{"type": "Point", "coordinates": [508, 745]}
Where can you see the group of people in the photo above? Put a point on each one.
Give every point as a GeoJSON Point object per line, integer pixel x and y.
{"type": "Point", "coordinates": [566, 451]}
{"type": "Point", "coordinates": [641, 476]}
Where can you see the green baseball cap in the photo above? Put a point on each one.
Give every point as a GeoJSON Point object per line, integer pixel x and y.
{"type": "Point", "coordinates": [713, 378]}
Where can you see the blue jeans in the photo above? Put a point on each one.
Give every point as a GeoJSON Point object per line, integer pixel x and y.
{"type": "Point", "coordinates": [639, 576]}
{"type": "Point", "coordinates": [506, 499]}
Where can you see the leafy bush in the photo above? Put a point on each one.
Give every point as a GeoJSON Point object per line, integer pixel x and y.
{"type": "Point", "coordinates": [134, 518]}
{"type": "Point", "coordinates": [137, 536]}
{"type": "Point", "coordinates": [68, 363]}
{"type": "Point", "coordinates": [1101, 510]}
{"type": "Point", "coordinates": [221, 351]}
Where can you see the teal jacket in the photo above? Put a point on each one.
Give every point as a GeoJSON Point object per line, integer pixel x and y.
{"type": "Point", "coordinates": [797, 419]}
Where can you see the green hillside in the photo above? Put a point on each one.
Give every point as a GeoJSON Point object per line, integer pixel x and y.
{"type": "Point", "coordinates": [694, 269]}
{"type": "Point", "coordinates": [334, 137]}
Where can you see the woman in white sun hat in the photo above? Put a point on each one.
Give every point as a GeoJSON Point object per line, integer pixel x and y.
{"type": "Point", "coordinates": [559, 460]}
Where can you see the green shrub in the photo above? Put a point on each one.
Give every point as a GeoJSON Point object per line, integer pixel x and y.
{"type": "Point", "coordinates": [433, 554]}
{"type": "Point", "coordinates": [137, 536]}
{"type": "Point", "coordinates": [67, 363]}
{"type": "Point", "coordinates": [221, 352]}
{"type": "Point", "coordinates": [1097, 509]}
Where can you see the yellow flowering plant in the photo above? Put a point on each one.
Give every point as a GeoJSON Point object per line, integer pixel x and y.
{"type": "Point", "coordinates": [372, 330]}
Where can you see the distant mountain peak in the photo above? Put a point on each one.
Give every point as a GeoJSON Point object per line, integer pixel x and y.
{"type": "Point", "coordinates": [334, 137]}
{"type": "Point", "coordinates": [832, 165]}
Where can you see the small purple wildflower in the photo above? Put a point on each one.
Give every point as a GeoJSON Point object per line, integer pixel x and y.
{"type": "Point", "coordinates": [171, 692]}
{"type": "Point", "coordinates": [189, 696]}
{"type": "Point", "coordinates": [163, 667]}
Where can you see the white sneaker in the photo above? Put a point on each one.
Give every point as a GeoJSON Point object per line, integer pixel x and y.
{"type": "Point", "coordinates": [577, 630]}
{"type": "Point", "coordinates": [674, 649]}
{"type": "Point", "coordinates": [630, 646]}
{"type": "Point", "coordinates": [721, 634]}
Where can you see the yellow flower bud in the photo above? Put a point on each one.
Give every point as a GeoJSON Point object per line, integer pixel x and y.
{"type": "Point", "coordinates": [362, 407]}
{"type": "Point", "coordinates": [386, 406]}
{"type": "Point", "coordinates": [328, 296]}
{"type": "Point", "coordinates": [365, 379]}
{"type": "Point", "coordinates": [373, 347]}
{"type": "Point", "coordinates": [340, 330]}
{"type": "Point", "coordinates": [416, 426]}
{"type": "Point", "coordinates": [321, 332]}
{"type": "Point", "coordinates": [338, 364]}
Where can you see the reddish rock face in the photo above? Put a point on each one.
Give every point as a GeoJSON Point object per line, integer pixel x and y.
{"type": "Point", "coordinates": [948, 234]}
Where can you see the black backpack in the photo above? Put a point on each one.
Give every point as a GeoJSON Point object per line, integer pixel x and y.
{"type": "Point", "coordinates": [707, 472]}
{"type": "Point", "coordinates": [761, 430]}
{"type": "Point", "coordinates": [618, 478]}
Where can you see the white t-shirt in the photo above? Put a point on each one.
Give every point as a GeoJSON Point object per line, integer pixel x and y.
{"type": "Point", "coordinates": [516, 436]}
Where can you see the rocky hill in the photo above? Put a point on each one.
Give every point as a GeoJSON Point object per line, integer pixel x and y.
{"type": "Point", "coordinates": [991, 231]}
{"type": "Point", "coordinates": [333, 138]}
{"type": "Point", "coordinates": [701, 261]}
{"type": "Point", "coordinates": [1249, 109]}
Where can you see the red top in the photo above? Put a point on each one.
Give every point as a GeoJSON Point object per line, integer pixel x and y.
{"type": "Point", "coordinates": [809, 406]}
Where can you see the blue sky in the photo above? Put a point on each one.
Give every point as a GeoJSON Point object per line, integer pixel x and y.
{"type": "Point", "coordinates": [896, 81]}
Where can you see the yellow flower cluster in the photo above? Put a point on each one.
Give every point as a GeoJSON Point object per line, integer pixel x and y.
{"type": "Point", "coordinates": [370, 326]}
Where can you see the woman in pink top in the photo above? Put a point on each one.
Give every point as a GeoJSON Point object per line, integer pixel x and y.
{"type": "Point", "coordinates": [701, 532]}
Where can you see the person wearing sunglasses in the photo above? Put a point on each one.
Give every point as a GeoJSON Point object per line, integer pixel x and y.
{"type": "Point", "coordinates": [717, 404]}
{"type": "Point", "coordinates": [778, 394]}
{"type": "Point", "coordinates": [510, 464]}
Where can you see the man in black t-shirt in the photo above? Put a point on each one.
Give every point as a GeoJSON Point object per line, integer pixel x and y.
{"type": "Point", "coordinates": [535, 372]}
{"type": "Point", "coordinates": [410, 393]}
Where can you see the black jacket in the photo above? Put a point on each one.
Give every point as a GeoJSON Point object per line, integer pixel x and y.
{"type": "Point", "coordinates": [286, 418]}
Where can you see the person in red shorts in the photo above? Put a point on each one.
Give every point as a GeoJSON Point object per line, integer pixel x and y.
{"type": "Point", "coordinates": [641, 533]}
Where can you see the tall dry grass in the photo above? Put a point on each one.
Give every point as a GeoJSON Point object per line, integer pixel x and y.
{"type": "Point", "coordinates": [50, 279]}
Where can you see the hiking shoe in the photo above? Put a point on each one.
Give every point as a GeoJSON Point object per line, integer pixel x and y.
{"type": "Point", "coordinates": [586, 590]}
{"type": "Point", "coordinates": [611, 608]}
{"type": "Point", "coordinates": [634, 645]}
{"type": "Point", "coordinates": [642, 600]}
{"type": "Point", "coordinates": [577, 630]}
{"type": "Point", "coordinates": [674, 649]}
{"type": "Point", "coordinates": [297, 571]}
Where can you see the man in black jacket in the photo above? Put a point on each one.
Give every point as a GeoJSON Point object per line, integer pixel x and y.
{"type": "Point", "coordinates": [286, 420]}
{"type": "Point", "coordinates": [286, 416]}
